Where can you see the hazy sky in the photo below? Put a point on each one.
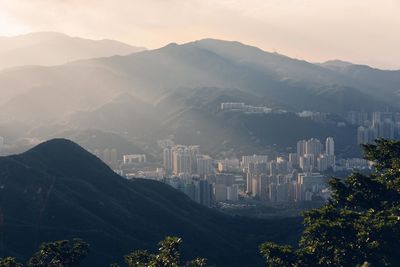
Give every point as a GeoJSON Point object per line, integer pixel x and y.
{"type": "Point", "coordinates": [362, 31]}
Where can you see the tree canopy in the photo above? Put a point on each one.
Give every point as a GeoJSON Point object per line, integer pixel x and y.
{"type": "Point", "coordinates": [360, 224]}
{"type": "Point", "coordinates": [63, 253]}
{"type": "Point", "coordinates": [10, 262]}
{"type": "Point", "coordinates": [168, 256]}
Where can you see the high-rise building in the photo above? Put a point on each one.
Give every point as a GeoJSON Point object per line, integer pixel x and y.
{"type": "Point", "coordinates": [254, 159]}
{"type": "Point", "coordinates": [272, 192]}
{"type": "Point", "coordinates": [313, 146]}
{"type": "Point", "coordinates": [376, 118]}
{"type": "Point", "coordinates": [330, 146]}
{"type": "Point", "coordinates": [167, 159]}
{"type": "Point", "coordinates": [301, 147]}
{"type": "Point", "coordinates": [307, 162]}
{"type": "Point", "coordinates": [228, 165]}
{"type": "Point", "coordinates": [181, 159]}
{"type": "Point", "coordinates": [386, 129]}
{"type": "Point", "coordinates": [311, 181]}
{"type": "Point", "coordinates": [282, 165]}
{"type": "Point", "coordinates": [293, 159]}
{"type": "Point", "coordinates": [194, 151]}
{"type": "Point", "coordinates": [134, 158]}
{"type": "Point", "coordinates": [322, 163]}
{"type": "Point", "coordinates": [255, 169]}
{"type": "Point", "coordinates": [204, 165]}
{"type": "Point", "coordinates": [232, 106]}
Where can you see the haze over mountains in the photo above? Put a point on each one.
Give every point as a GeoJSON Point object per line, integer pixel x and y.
{"type": "Point", "coordinates": [177, 90]}
{"type": "Point", "coordinates": [51, 48]}
{"type": "Point", "coordinates": [58, 190]}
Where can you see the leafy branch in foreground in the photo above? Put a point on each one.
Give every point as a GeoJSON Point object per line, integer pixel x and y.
{"type": "Point", "coordinates": [60, 254]}
{"type": "Point", "coordinates": [359, 226]}
{"type": "Point", "coordinates": [10, 262]}
{"type": "Point", "coordinates": [65, 253]}
{"type": "Point", "coordinates": [168, 256]}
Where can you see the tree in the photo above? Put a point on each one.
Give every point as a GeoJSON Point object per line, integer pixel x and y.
{"type": "Point", "coordinates": [360, 224]}
{"type": "Point", "coordinates": [138, 258]}
{"type": "Point", "coordinates": [60, 254]}
{"type": "Point", "coordinates": [168, 256]}
{"type": "Point", "coordinates": [10, 262]}
{"type": "Point", "coordinates": [198, 262]}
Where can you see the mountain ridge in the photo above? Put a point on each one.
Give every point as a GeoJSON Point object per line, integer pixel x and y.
{"type": "Point", "coordinates": [202, 69]}
{"type": "Point", "coordinates": [53, 48]}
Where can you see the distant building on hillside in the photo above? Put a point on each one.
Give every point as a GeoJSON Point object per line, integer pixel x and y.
{"type": "Point", "coordinates": [134, 158]}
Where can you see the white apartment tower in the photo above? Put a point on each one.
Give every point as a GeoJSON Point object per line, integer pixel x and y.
{"type": "Point", "coordinates": [330, 146]}
{"type": "Point", "coordinates": [313, 146]}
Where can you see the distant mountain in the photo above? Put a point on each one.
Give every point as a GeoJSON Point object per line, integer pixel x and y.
{"type": "Point", "coordinates": [51, 48]}
{"type": "Point", "coordinates": [274, 78]}
{"type": "Point", "coordinates": [178, 88]}
{"type": "Point", "coordinates": [383, 84]}
{"type": "Point", "coordinates": [57, 190]}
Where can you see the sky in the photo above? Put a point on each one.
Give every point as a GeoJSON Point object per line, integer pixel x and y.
{"type": "Point", "coordinates": [360, 31]}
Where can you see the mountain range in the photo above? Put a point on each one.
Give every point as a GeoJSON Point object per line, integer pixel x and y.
{"type": "Point", "coordinates": [52, 48]}
{"type": "Point", "coordinates": [177, 90]}
{"type": "Point", "coordinates": [57, 190]}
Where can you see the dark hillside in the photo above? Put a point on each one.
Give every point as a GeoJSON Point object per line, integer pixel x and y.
{"type": "Point", "coordinates": [57, 190]}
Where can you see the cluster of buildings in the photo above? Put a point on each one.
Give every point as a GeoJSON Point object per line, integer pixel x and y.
{"type": "Point", "coordinates": [242, 107]}
{"type": "Point", "coordinates": [313, 115]}
{"type": "Point", "coordinates": [294, 178]}
{"type": "Point", "coordinates": [312, 155]}
{"type": "Point", "coordinates": [184, 161]}
{"type": "Point", "coordinates": [193, 173]}
{"type": "Point", "coordinates": [352, 164]}
{"type": "Point", "coordinates": [375, 125]}
{"type": "Point", "coordinates": [209, 189]}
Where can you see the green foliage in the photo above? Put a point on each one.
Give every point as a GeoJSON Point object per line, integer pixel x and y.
{"type": "Point", "coordinates": [278, 256]}
{"type": "Point", "coordinates": [10, 262]}
{"type": "Point", "coordinates": [198, 262]}
{"type": "Point", "coordinates": [168, 256]}
{"type": "Point", "coordinates": [60, 254]}
{"type": "Point", "coordinates": [138, 258]}
{"type": "Point", "coordinates": [359, 226]}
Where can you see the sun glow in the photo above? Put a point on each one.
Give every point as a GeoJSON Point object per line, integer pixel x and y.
{"type": "Point", "coordinates": [8, 27]}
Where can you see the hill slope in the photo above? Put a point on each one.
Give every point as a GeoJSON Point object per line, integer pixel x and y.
{"type": "Point", "coordinates": [387, 82]}
{"type": "Point", "coordinates": [57, 190]}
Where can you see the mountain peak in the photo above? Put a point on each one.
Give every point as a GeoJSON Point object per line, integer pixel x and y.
{"type": "Point", "coordinates": [62, 154]}
{"type": "Point", "coordinates": [56, 143]}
